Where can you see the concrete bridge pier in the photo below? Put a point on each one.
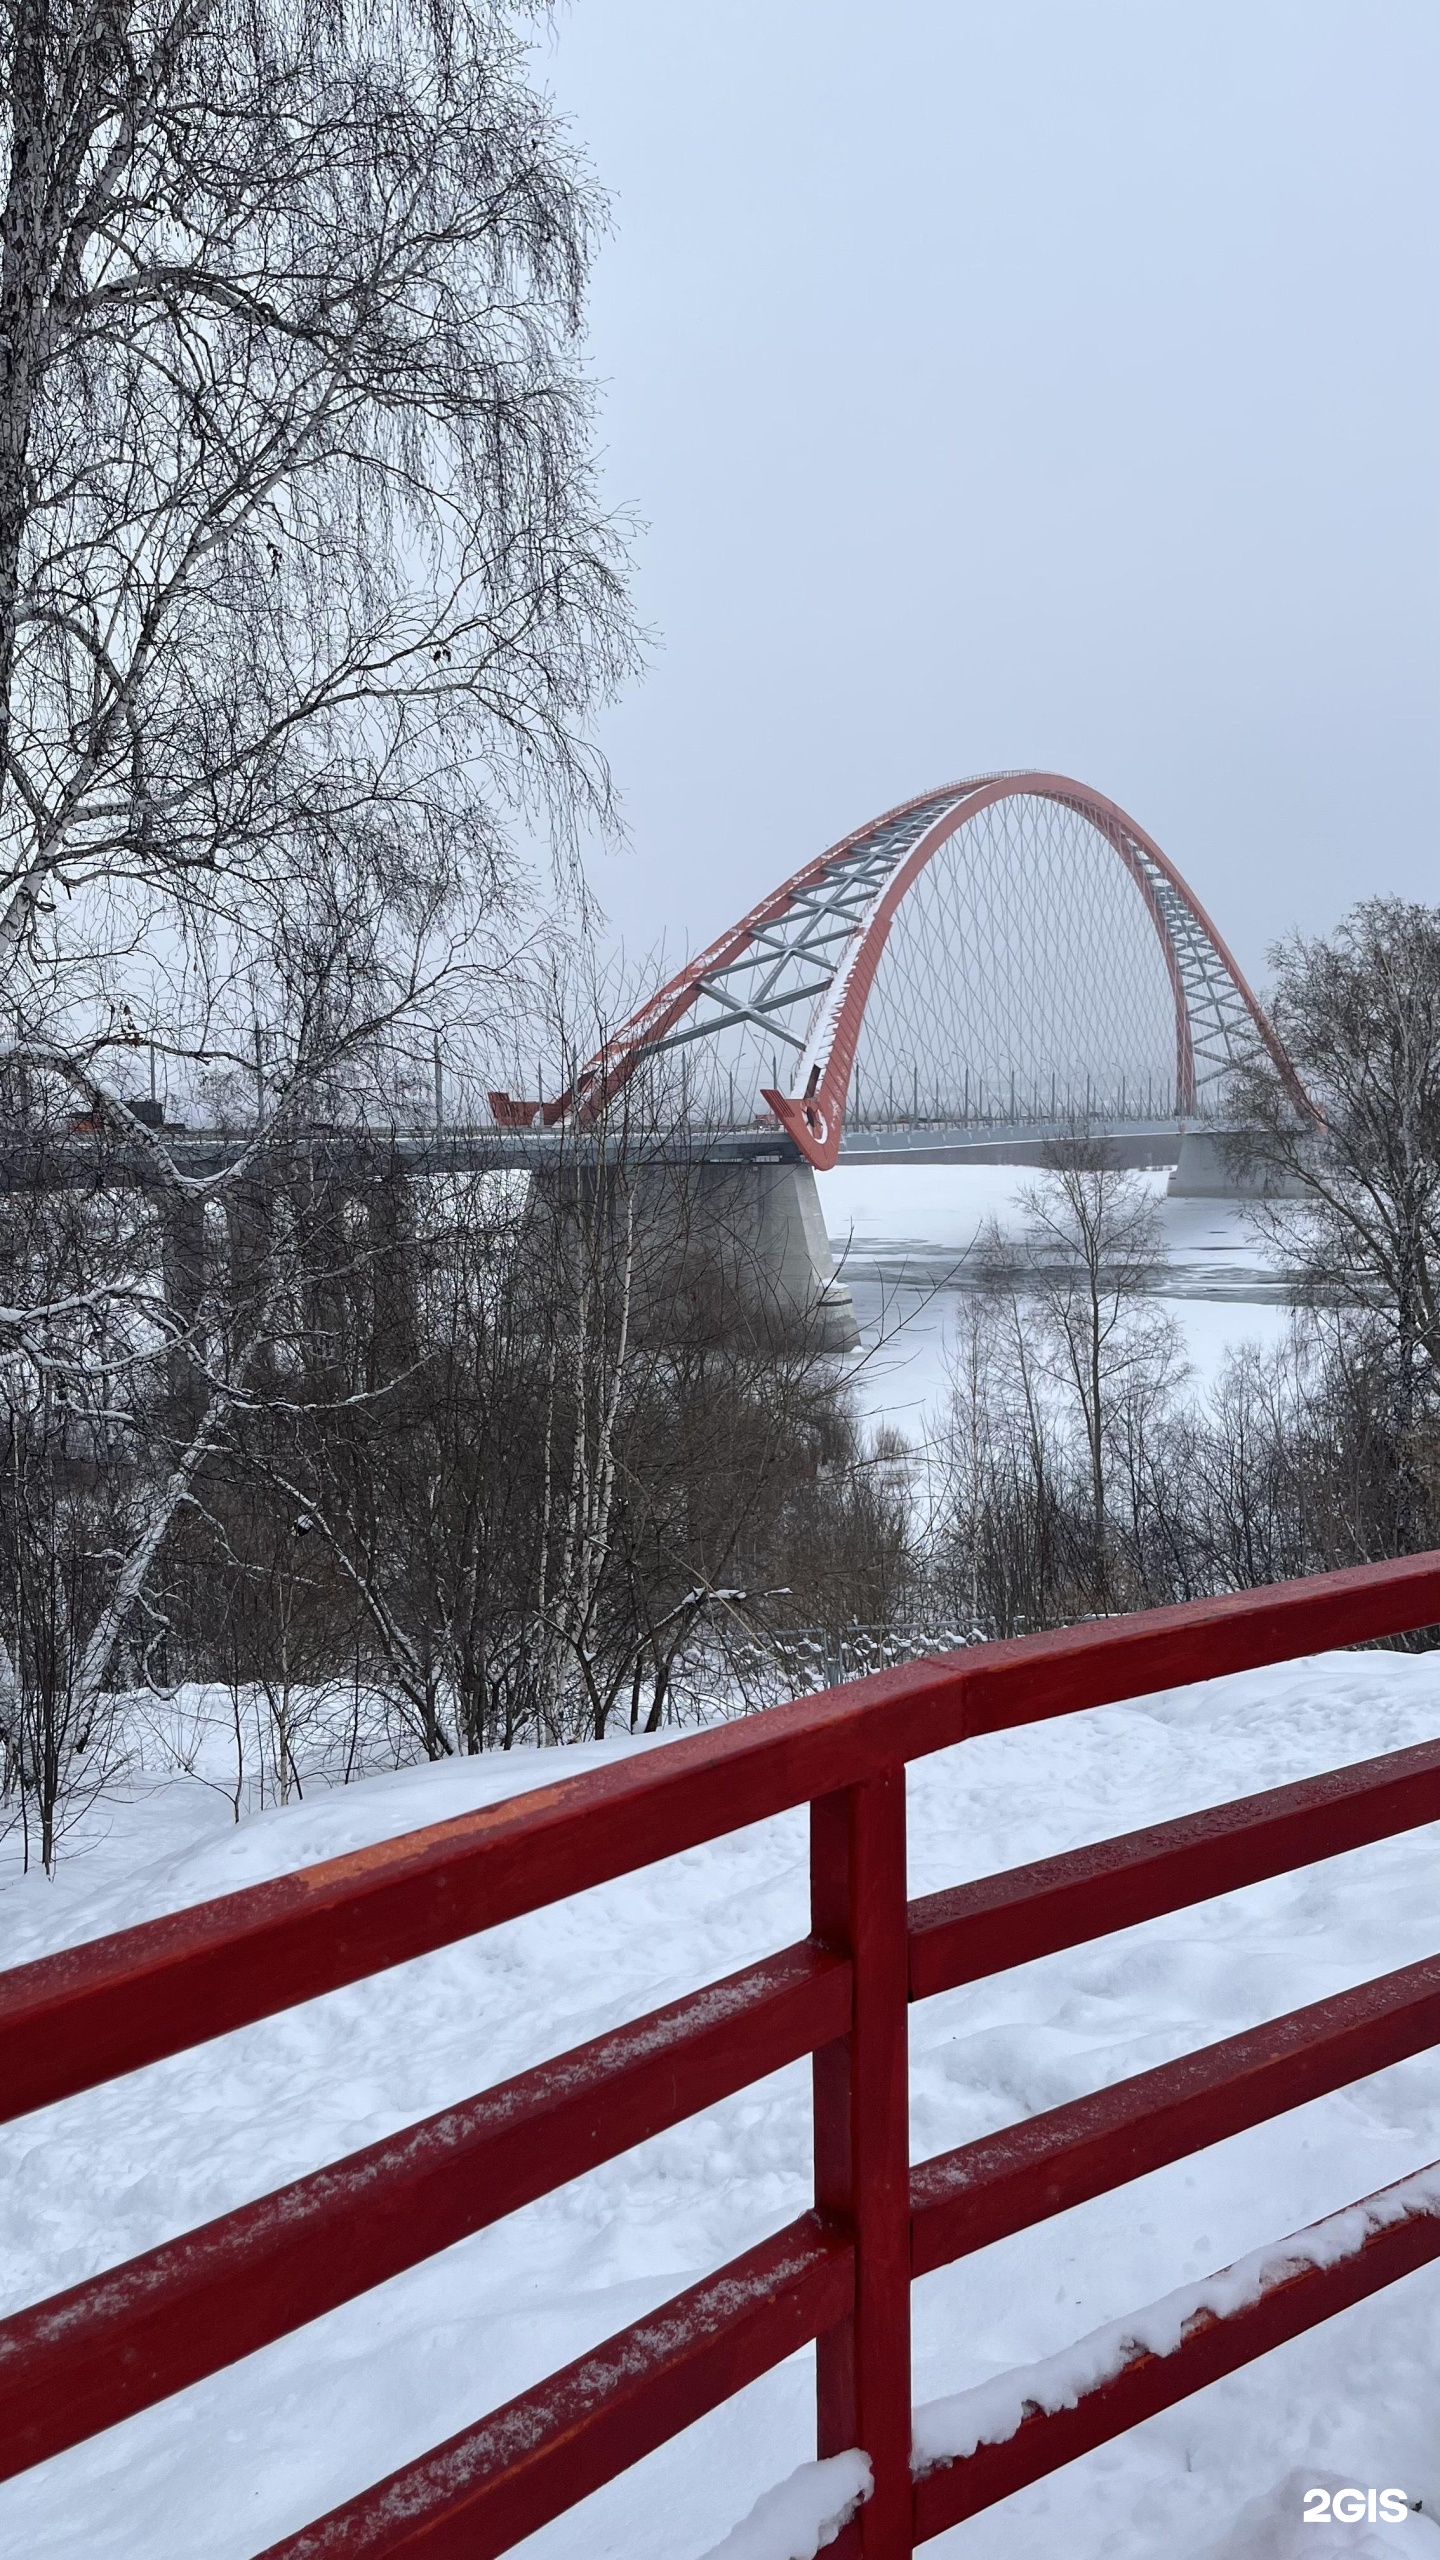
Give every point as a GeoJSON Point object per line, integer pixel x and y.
{"type": "Point", "coordinates": [719, 1251]}
{"type": "Point", "coordinates": [394, 1275]}
{"type": "Point", "coordinates": [1212, 1166]}
{"type": "Point", "coordinates": [182, 1265]}
{"type": "Point", "coordinates": [250, 1233]}
{"type": "Point", "coordinates": [762, 1231]}
{"type": "Point", "coordinates": [214, 1268]}
{"type": "Point", "coordinates": [348, 1245]}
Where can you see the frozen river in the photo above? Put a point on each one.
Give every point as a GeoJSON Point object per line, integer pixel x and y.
{"type": "Point", "coordinates": [903, 1236]}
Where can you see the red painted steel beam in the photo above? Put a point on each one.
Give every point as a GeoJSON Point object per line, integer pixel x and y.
{"type": "Point", "coordinates": [983, 1928]}
{"type": "Point", "coordinates": [87, 2358]}
{"type": "Point", "coordinates": [604, 1075]}
{"type": "Point", "coordinates": [80, 2017]}
{"type": "Point", "coordinates": [1298, 2300]}
{"type": "Point", "coordinates": [485, 2489]}
{"type": "Point", "coordinates": [964, 2199]}
{"type": "Point", "coordinates": [815, 1120]}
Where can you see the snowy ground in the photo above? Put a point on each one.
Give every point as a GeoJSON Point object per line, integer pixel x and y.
{"type": "Point", "coordinates": [223, 2469]}
{"type": "Point", "coordinates": [903, 1233]}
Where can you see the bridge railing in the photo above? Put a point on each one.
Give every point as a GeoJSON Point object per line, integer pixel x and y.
{"type": "Point", "coordinates": [839, 2275]}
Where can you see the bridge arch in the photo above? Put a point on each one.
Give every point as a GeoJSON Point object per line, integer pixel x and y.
{"type": "Point", "coordinates": [803, 969]}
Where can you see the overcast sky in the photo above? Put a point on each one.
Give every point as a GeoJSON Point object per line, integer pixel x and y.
{"type": "Point", "coordinates": [1021, 382]}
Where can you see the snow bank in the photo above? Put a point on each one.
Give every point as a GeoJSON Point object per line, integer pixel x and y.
{"type": "Point", "coordinates": [1273, 2528]}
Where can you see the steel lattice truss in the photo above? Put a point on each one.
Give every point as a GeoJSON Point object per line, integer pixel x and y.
{"type": "Point", "coordinates": [1010, 948]}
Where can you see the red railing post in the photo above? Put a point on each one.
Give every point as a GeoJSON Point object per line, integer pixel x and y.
{"type": "Point", "coordinates": [862, 2147]}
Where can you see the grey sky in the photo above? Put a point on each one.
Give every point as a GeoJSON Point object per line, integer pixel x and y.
{"type": "Point", "coordinates": [1035, 382]}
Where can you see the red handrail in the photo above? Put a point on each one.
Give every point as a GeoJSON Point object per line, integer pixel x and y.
{"type": "Point", "coordinates": [841, 2275]}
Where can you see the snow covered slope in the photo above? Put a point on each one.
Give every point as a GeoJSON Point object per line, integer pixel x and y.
{"type": "Point", "coordinates": [223, 2469]}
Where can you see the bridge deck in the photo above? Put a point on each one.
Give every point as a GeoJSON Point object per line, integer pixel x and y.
{"type": "Point", "coordinates": [361, 1152]}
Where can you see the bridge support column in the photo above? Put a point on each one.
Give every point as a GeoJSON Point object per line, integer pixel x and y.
{"type": "Point", "coordinates": [250, 1226]}
{"type": "Point", "coordinates": [761, 1231]}
{"type": "Point", "coordinates": [182, 1256]}
{"type": "Point", "coordinates": [1212, 1166]}
{"type": "Point", "coordinates": [719, 1251]}
{"type": "Point", "coordinates": [394, 1289]}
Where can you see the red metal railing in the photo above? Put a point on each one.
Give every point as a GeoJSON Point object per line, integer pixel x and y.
{"type": "Point", "coordinates": [841, 2274]}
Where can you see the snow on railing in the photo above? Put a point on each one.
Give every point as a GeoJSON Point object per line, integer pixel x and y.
{"type": "Point", "coordinates": [801, 2516]}
{"type": "Point", "coordinates": [993, 2412]}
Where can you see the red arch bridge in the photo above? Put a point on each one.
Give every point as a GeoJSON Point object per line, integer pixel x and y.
{"type": "Point", "coordinates": [968, 976]}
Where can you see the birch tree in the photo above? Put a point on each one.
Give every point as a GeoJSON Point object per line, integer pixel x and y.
{"type": "Point", "coordinates": [1083, 1350]}
{"type": "Point", "coordinates": [297, 539]}
{"type": "Point", "coordinates": [305, 602]}
{"type": "Point", "coordinates": [1355, 1199]}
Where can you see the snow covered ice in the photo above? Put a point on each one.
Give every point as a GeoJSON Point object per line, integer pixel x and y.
{"type": "Point", "coordinates": [904, 1236]}
{"type": "Point", "coordinates": [223, 2469]}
